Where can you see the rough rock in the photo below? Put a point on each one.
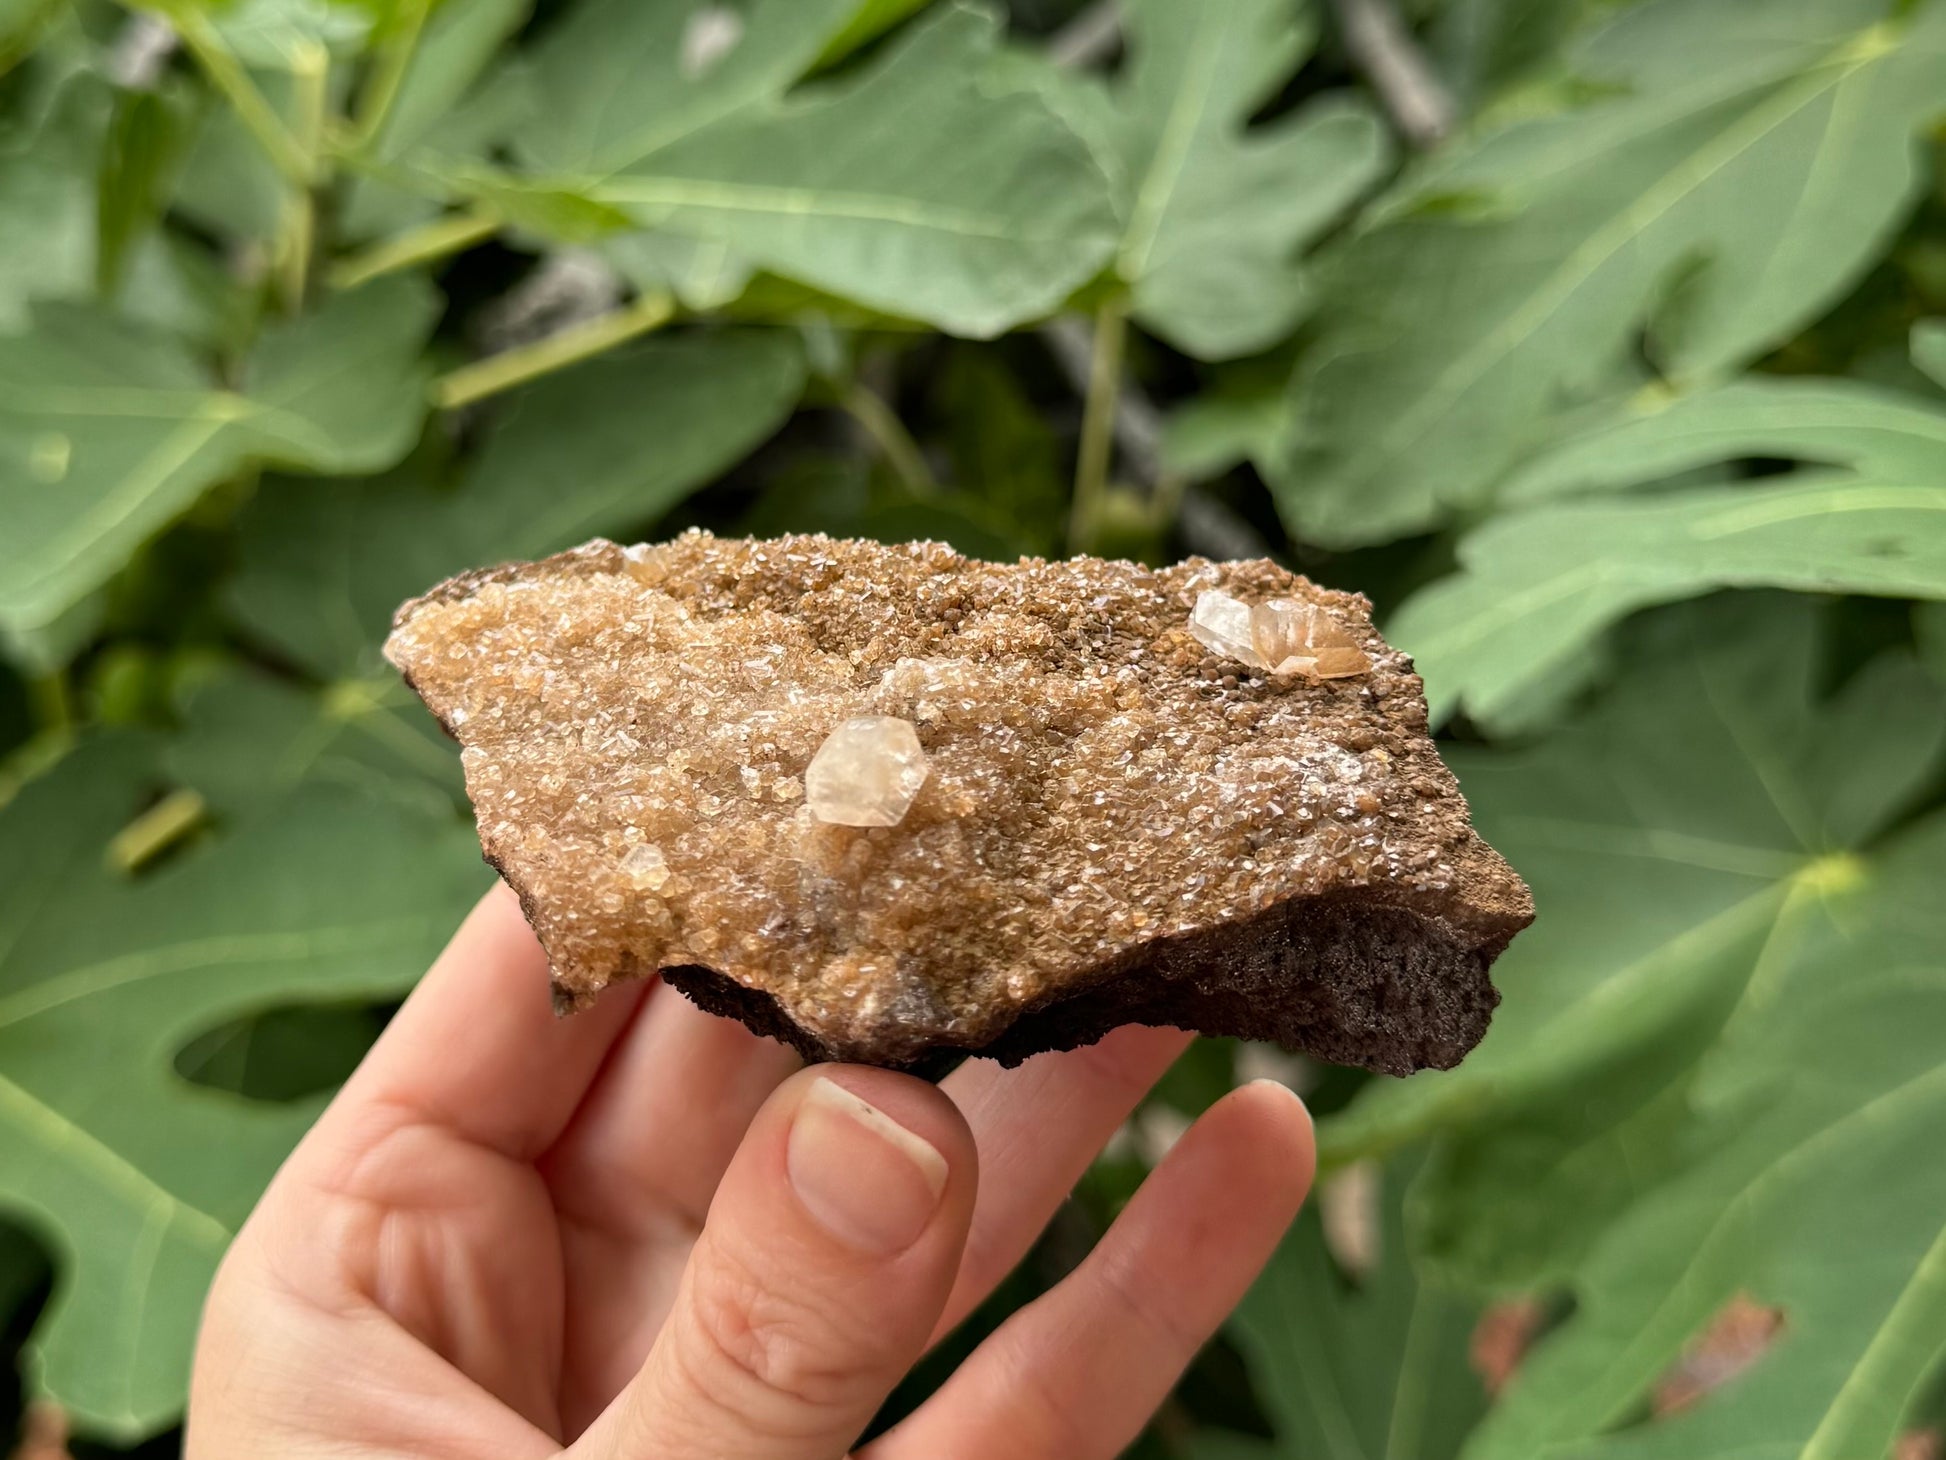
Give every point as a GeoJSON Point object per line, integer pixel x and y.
{"type": "Point", "coordinates": [1110, 822]}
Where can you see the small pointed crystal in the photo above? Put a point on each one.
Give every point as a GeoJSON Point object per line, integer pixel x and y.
{"type": "Point", "coordinates": [1299, 638]}
{"type": "Point", "coordinates": [1223, 623]}
{"type": "Point", "coordinates": [866, 773]}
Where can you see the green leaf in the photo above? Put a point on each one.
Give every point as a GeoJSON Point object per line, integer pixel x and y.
{"type": "Point", "coordinates": [1675, 837]}
{"type": "Point", "coordinates": [619, 79]}
{"type": "Point", "coordinates": [1215, 215]}
{"type": "Point", "coordinates": [1368, 1369]}
{"type": "Point", "coordinates": [139, 1178]}
{"type": "Point", "coordinates": [143, 145]}
{"type": "Point", "coordinates": [457, 45]}
{"type": "Point", "coordinates": [925, 188]}
{"type": "Point", "coordinates": [1699, 198]}
{"type": "Point", "coordinates": [108, 432]}
{"type": "Point", "coordinates": [248, 738]}
{"type": "Point", "coordinates": [440, 109]}
{"type": "Point", "coordinates": [604, 447]}
{"type": "Point", "coordinates": [47, 204]}
{"type": "Point", "coordinates": [273, 33]}
{"type": "Point", "coordinates": [1536, 586]}
{"type": "Point", "coordinates": [1929, 348]}
{"type": "Point", "coordinates": [1810, 1184]}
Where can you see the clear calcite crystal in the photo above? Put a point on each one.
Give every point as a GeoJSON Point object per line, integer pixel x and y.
{"type": "Point", "coordinates": [1114, 823]}
{"type": "Point", "coordinates": [1301, 638]}
{"type": "Point", "coordinates": [1224, 624]}
{"type": "Point", "coordinates": [866, 773]}
{"type": "Point", "coordinates": [1283, 636]}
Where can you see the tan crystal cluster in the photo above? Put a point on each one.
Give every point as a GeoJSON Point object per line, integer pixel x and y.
{"type": "Point", "coordinates": [888, 801]}
{"type": "Point", "coordinates": [1285, 636]}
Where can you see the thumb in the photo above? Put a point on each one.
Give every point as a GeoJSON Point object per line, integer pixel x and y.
{"type": "Point", "coordinates": [827, 1258]}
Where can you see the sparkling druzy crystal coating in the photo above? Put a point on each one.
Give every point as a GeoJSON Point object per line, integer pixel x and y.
{"type": "Point", "coordinates": [866, 772]}
{"type": "Point", "coordinates": [1117, 823]}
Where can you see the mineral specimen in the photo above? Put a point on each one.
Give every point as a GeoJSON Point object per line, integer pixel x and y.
{"type": "Point", "coordinates": [892, 805]}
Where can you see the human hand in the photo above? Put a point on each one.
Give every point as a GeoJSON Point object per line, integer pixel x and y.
{"type": "Point", "coordinates": [637, 1233]}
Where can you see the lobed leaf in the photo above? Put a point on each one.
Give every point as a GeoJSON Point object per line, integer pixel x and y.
{"type": "Point", "coordinates": [134, 1177]}
{"type": "Point", "coordinates": [1740, 167]}
{"type": "Point", "coordinates": [1535, 587]}
{"type": "Point", "coordinates": [1214, 215]}
{"type": "Point", "coordinates": [923, 189]}
{"type": "Point", "coordinates": [108, 431]}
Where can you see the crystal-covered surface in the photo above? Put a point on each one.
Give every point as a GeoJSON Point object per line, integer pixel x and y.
{"type": "Point", "coordinates": [866, 773]}
{"type": "Point", "coordinates": [1099, 776]}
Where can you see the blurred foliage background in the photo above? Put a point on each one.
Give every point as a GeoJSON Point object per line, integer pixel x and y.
{"type": "Point", "coordinates": [1601, 343]}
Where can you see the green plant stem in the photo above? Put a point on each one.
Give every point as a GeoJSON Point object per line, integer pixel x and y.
{"type": "Point", "coordinates": [213, 54]}
{"type": "Point", "coordinates": [445, 235]}
{"type": "Point", "coordinates": [571, 346]}
{"type": "Point", "coordinates": [388, 75]}
{"type": "Point", "coordinates": [156, 830]}
{"type": "Point", "coordinates": [309, 74]}
{"type": "Point", "coordinates": [1098, 425]}
{"type": "Point", "coordinates": [880, 422]}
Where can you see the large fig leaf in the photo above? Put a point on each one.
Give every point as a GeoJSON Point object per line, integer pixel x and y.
{"type": "Point", "coordinates": [109, 432]}
{"type": "Point", "coordinates": [1808, 1183]}
{"type": "Point", "coordinates": [1718, 1067]}
{"type": "Point", "coordinates": [134, 1177]}
{"type": "Point", "coordinates": [1665, 834]}
{"type": "Point", "coordinates": [1366, 1366]}
{"type": "Point", "coordinates": [1215, 216]}
{"type": "Point", "coordinates": [619, 79]}
{"type": "Point", "coordinates": [1739, 167]}
{"type": "Point", "coordinates": [1535, 587]}
{"type": "Point", "coordinates": [927, 188]}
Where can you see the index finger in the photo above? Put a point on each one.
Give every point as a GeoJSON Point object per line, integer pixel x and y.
{"type": "Point", "coordinates": [478, 1050]}
{"type": "Point", "coordinates": [1037, 1128]}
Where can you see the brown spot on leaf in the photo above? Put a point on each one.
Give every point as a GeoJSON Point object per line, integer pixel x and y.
{"type": "Point", "coordinates": [1740, 1334]}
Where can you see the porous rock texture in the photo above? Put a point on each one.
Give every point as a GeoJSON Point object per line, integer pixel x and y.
{"type": "Point", "coordinates": [1118, 825]}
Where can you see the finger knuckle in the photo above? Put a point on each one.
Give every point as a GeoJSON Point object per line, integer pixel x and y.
{"type": "Point", "coordinates": [762, 1351]}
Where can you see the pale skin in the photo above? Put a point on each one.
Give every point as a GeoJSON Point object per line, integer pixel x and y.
{"type": "Point", "coordinates": [644, 1232]}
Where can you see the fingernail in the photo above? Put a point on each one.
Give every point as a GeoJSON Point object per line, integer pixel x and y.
{"type": "Point", "coordinates": [862, 1176]}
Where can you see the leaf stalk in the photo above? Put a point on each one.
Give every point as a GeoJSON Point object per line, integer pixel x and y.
{"type": "Point", "coordinates": [253, 109]}
{"type": "Point", "coordinates": [448, 234]}
{"type": "Point", "coordinates": [888, 433]}
{"type": "Point", "coordinates": [580, 342]}
{"type": "Point", "coordinates": [1098, 425]}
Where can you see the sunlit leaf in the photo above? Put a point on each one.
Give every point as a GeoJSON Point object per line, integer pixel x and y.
{"type": "Point", "coordinates": [1536, 586]}
{"type": "Point", "coordinates": [108, 432]}
{"type": "Point", "coordinates": [1738, 169]}
{"type": "Point", "coordinates": [1215, 216]}
{"type": "Point", "coordinates": [138, 1178]}
{"type": "Point", "coordinates": [1676, 836]}
{"type": "Point", "coordinates": [1807, 1182]}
